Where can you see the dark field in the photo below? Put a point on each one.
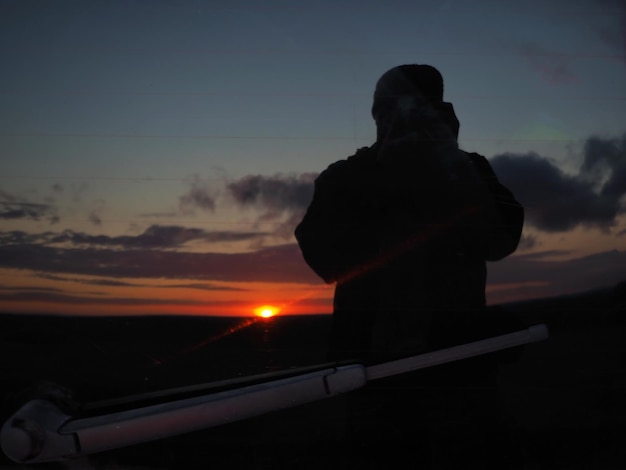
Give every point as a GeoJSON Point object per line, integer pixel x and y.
{"type": "Point", "coordinates": [557, 404]}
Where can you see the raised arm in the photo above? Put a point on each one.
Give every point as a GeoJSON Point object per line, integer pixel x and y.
{"type": "Point", "coordinates": [509, 214]}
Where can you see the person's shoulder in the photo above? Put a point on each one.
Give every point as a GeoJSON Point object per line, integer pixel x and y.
{"type": "Point", "coordinates": [472, 155]}
{"type": "Point", "coordinates": [362, 158]}
{"type": "Point", "coordinates": [481, 163]}
{"type": "Point", "coordinates": [364, 155]}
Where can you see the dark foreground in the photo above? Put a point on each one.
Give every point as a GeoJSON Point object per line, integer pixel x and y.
{"type": "Point", "coordinates": [556, 404]}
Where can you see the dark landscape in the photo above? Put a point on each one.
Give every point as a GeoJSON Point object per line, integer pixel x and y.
{"type": "Point", "coordinates": [560, 402]}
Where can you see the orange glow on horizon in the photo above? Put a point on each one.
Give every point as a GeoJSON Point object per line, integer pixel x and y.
{"type": "Point", "coordinates": [148, 297]}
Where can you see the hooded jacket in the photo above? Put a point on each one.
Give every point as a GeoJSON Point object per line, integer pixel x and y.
{"type": "Point", "coordinates": [404, 228]}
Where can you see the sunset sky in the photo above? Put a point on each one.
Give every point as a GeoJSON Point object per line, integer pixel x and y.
{"type": "Point", "coordinates": [155, 156]}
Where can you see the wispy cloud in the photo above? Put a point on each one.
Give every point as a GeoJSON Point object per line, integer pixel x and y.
{"type": "Point", "coordinates": [548, 274]}
{"type": "Point", "coordinates": [106, 282]}
{"type": "Point", "coordinates": [200, 196]}
{"type": "Point", "coordinates": [527, 242]}
{"type": "Point", "coordinates": [154, 237]}
{"type": "Point", "coordinates": [615, 35]}
{"type": "Point", "coordinates": [95, 215]}
{"type": "Point", "coordinates": [279, 197]}
{"type": "Point", "coordinates": [14, 208]}
{"type": "Point", "coordinates": [549, 65]}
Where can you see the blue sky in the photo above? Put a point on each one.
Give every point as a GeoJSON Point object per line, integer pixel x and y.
{"type": "Point", "coordinates": [121, 117]}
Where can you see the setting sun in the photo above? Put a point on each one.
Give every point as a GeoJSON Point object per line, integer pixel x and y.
{"type": "Point", "coordinates": [266, 311]}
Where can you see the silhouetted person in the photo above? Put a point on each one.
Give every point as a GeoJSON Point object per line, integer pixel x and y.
{"type": "Point", "coordinates": [404, 227]}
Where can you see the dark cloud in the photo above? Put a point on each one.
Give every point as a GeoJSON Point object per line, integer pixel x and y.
{"type": "Point", "coordinates": [14, 208]}
{"type": "Point", "coordinates": [278, 192]}
{"type": "Point", "coordinates": [279, 197]}
{"type": "Point", "coordinates": [556, 201]}
{"type": "Point", "coordinates": [274, 264]}
{"type": "Point", "coordinates": [148, 255]}
{"type": "Point", "coordinates": [551, 66]}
